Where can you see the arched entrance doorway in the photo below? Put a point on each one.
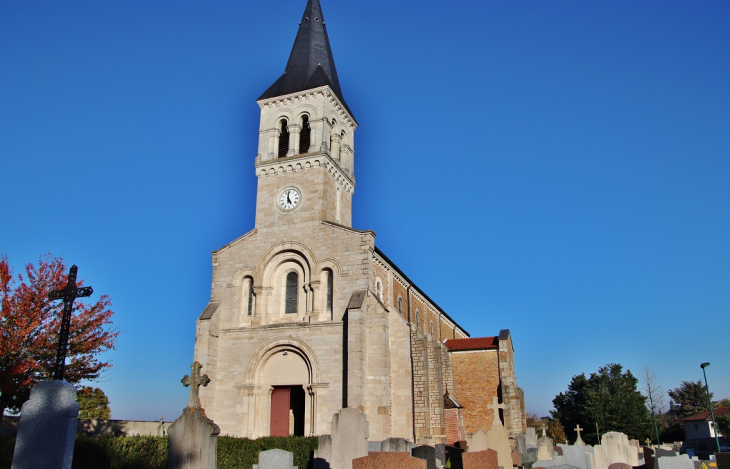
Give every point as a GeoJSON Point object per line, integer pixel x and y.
{"type": "Point", "coordinates": [286, 375]}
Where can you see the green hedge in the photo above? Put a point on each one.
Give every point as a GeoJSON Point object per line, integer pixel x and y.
{"type": "Point", "coordinates": [242, 453]}
{"type": "Point", "coordinates": [149, 452]}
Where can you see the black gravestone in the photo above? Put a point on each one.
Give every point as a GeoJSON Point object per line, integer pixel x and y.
{"type": "Point", "coordinates": [453, 454]}
{"type": "Point", "coordinates": [723, 460]}
{"type": "Point", "coordinates": [425, 452]}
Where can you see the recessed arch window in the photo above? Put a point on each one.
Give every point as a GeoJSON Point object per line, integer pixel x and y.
{"type": "Point", "coordinates": [431, 328]}
{"type": "Point", "coordinates": [400, 305]}
{"type": "Point", "coordinates": [283, 138]}
{"type": "Point", "coordinates": [418, 319]}
{"type": "Point", "coordinates": [379, 289]}
{"type": "Point", "coordinates": [292, 290]}
{"type": "Point", "coordinates": [249, 309]}
{"type": "Point", "coordinates": [305, 135]}
{"type": "Point", "coordinates": [330, 290]}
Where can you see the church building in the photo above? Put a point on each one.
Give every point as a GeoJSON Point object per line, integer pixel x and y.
{"type": "Point", "coordinates": [307, 316]}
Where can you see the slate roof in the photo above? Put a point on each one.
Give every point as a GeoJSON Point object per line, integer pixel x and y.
{"type": "Point", "coordinates": [702, 416]}
{"type": "Point", "coordinates": [475, 343]}
{"type": "Point", "coordinates": [311, 63]}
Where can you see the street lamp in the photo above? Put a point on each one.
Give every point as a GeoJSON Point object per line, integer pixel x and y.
{"type": "Point", "coordinates": [709, 400]}
{"type": "Point", "coordinates": [658, 443]}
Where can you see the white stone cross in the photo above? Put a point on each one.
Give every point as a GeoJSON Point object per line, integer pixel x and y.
{"type": "Point", "coordinates": [579, 440]}
{"type": "Point", "coordinates": [495, 406]}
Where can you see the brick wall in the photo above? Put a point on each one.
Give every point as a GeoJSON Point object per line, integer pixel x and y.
{"type": "Point", "coordinates": [476, 380]}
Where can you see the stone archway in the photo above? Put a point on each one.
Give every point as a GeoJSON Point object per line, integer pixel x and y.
{"type": "Point", "coordinates": [282, 379]}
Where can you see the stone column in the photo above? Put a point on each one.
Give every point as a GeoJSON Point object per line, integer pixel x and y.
{"type": "Point", "coordinates": [294, 131]}
{"type": "Point", "coordinates": [335, 150]}
{"type": "Point", "coordinates": [315, 299]}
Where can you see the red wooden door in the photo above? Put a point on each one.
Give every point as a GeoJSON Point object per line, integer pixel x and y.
{"type": "Point", "coordinates": [280, 412]}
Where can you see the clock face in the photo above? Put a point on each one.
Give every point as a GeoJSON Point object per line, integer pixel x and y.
{"type": "Point", "coordinates": [289, 199]}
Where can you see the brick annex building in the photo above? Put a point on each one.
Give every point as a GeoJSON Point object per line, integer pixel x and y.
{"type": "Point", "coordinates": [308, 316]}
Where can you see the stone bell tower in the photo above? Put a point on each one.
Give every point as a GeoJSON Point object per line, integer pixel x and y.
{"type": "Point", "coordinates": [305, 160]}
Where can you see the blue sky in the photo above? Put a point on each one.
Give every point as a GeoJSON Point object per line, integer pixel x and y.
{"type": "Point", "coordinates": [559, 169]}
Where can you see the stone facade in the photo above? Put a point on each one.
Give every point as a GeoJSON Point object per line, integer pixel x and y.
{"type": "Point", "coordinates": [306, 309]}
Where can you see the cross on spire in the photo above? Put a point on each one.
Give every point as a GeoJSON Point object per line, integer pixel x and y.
{"type": "Point", "coordinates": [495, 406]}
{"type": "Point", "coordinates": [195, 380]}
{"type": "Point", "coordinates": [68, 295]}
{"type": "Point", "coordinates": [579, 440]}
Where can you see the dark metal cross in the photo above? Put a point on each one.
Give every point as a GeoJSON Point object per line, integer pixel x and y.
{"type": "Point", "coordinates": [68, 295]}
{"type": "Point", "coordinates": [194, 381]}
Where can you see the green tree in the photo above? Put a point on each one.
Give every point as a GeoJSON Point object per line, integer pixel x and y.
{"type": "Point", "coordinates": [723, 425]}
{"type": "Point", "coordinates": [609, 398]}
{"type": "Point", "coordinates": [93, 403]}
{"type": "Point", "coordinates": [688, 399]}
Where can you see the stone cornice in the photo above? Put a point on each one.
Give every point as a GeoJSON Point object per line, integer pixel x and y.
{"type": "Point", "coordinates": [324, 91]}
{"type": "Point", "coordinates": [304, 162]}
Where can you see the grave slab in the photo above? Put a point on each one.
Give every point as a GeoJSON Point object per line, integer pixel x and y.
{"type": "Point", "coordinates": [674, 462]}
{"type": "Point", "coordinates": [487, 459]}
{"type": "Point", "coordinates": [47, 427]}
{"type": "Point", "coordinates": [391, 460]}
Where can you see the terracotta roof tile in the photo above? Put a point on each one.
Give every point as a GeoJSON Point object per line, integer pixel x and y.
{"type": "Point", "coordinates": [474, 343]}
{"type": "Point", "coordinates": [706, 414]}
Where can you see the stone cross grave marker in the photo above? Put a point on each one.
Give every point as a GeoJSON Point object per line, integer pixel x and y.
{"type": "Point", "coordinates": [193, 436]}
{"type": "Point", "coordinates": [579, 440]}
{"type": "Point", "coordinates": [495, 406]}
{"type": "Point", "coordinates": [68, 295]}
{"type": "Point", "coordinates": [195, 380]}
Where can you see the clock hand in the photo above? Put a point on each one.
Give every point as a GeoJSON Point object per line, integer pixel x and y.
{"type": "Point", "coordinates": [287, 198]}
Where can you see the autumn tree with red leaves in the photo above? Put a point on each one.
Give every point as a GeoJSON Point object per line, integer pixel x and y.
{"type": "Point", "coordinates": [30, 326]}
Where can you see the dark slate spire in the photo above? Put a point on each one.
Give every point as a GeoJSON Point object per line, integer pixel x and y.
{"type": "Point", "coordinates": [311, 63]}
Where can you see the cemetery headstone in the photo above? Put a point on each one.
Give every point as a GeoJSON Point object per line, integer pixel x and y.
{"type": "Point", "coordinates": [722, 460]}
{"type": "Point", "coordinates": [486, 459]}
{"type": "Point", "coordinates": [577, 455]}
{"type": "Point", "coordinates": [662, 452]}
{"type": "Point", "coordinates": [394, 460]}
{"type": "Point", "coordinates": [529, 458]}
{"type": "Point", "coordinates": [47, 427]}
{"type": "Point", "coordinates": [498, 437]}
{"type": "Point", "coordinates": [478, 441]}
{"type": "Point", "coordinates": [530, 438]}
{"type": "Point", "coordinates": [545, 449]}
{"type": "Point", "coordinates": [428, 453]}
{"type": "Point", "coordinates": [323, 453]}
{"type": "Point", "coordinates": [193, 436]}
{"type": "Point", "coordinates": [349, 437]}
{"type": "Point", "coordinates": [440, 454]}
{"type": "Point", "coordinates": [674, 462]}
{"type": "Point", "coordinates": [649, 457]}
{"type": "Point", "coordinates": [454, 457]}
{"type": "Point", "coordinates": [616, 448]}
{"type": "Point", "coordinates": [395, 445]}
{"type": "Point", "coordinates": [578, 440]}
{"type": "Point", "coordinates": [275, 459]}
{"type": "Point", "coordinates": [516, 458]}
{"type": "Point", "coordinates": [521, 443]}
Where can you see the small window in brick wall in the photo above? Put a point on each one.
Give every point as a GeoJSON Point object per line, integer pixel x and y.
{"type": "Point", "coordinates": [431, 328]}
{"type": "Point", "coordinates": [400, 305]}
{"type": "Point", "coordinates": [418, 320]}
